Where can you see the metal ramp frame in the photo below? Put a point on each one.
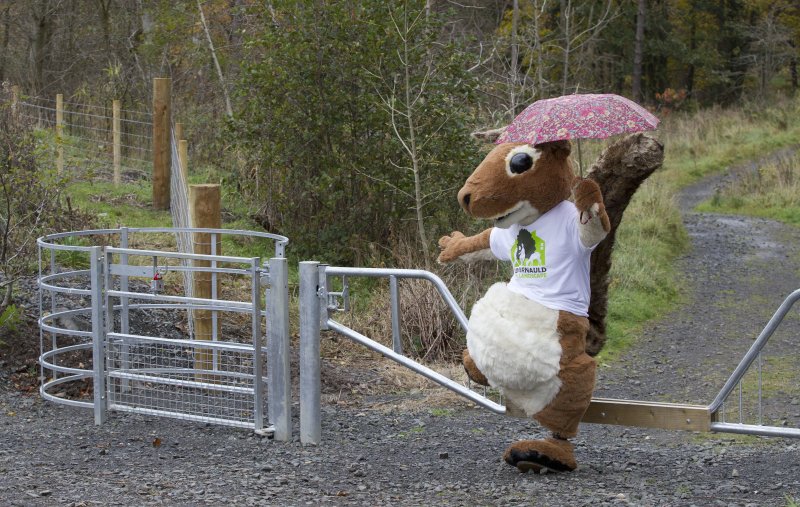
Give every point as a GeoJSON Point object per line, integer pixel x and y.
{"type": "Point", "coordinates": [317, 303]}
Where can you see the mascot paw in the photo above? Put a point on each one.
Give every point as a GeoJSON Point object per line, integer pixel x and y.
{"type": "Point", "coordinates": [449, 247]}
{"type": "Point", "coordinates": [553, 454]}
{"type": "Point", "coordinates": [586, 193]}
{"type": "Point", "coordinates": [473, 372]}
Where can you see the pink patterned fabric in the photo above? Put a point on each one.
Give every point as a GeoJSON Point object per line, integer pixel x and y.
{"type": "Point", "coordinates": [586, 116]}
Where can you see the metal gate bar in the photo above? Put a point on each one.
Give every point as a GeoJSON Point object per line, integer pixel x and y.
{"type": "Point", "coordinates": [317, 302]}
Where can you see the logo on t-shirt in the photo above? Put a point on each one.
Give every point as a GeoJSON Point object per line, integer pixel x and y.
{"type": "Point", "coordinates": [528, 255]}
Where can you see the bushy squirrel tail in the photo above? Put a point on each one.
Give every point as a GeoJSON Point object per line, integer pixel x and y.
{"type": "Point", "coordinates": [619, 171]}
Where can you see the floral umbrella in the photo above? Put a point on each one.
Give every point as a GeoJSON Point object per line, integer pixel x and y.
{"type": "Point", "coordinates": [579, 116]}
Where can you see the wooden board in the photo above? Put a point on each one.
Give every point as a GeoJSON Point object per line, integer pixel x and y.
{"type": "Point", "coordinates": [649, 414]}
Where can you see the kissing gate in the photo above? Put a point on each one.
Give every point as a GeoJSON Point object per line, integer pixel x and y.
{"type": "Point", "coordinates": [166, 336]}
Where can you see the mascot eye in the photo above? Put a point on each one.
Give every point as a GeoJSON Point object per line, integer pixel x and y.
{"type": "Point", "coordinates": [520, 163]}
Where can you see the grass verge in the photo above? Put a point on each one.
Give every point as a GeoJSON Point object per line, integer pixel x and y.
{"type": "Point", "coordinates": [644, 283]}
{"type": "Point", "coordinates": [769, 191]}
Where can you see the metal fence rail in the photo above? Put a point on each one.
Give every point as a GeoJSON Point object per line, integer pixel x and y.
{"type": "Point", "coordinates": [318, 303]}
{"type": "Point", "coordinates": [165, 371]}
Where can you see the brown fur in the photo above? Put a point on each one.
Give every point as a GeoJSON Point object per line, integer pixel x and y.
{"type": "Point", "coordinates": [564, 413]}
{"type": "Point", "coordinates": [473, 372]}
{"type": "Point", "coordinates": [536, 454]}
{"type": "Point", "coordinates": [491, 191]}
{"type": "Point", "coordinates": [461, 245]}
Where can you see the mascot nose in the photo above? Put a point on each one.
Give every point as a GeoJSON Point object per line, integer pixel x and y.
{"type": "Point", "coordinates": [465, 197]}
{"type": "Point", "coordinates": [463, 200]}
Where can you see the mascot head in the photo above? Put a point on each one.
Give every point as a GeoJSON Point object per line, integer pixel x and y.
{"type": "Point", "coordinates": [517, 183]}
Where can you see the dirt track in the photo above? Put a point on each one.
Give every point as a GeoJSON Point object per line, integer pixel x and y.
{"type": "Point", "coordinates": [737, 272]}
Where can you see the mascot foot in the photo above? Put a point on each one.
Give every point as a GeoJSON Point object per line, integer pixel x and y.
{"type": "Point", "coordinates": [553, 454]}
{"type": "Point", "coordinates": [473, 372]}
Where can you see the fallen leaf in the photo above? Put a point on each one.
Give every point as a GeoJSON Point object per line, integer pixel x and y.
{"type": "Point", "coordinates": [157, 442]}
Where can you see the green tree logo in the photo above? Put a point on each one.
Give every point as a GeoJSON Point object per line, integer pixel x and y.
{"type": "Point", "coordinates": [528, 250]}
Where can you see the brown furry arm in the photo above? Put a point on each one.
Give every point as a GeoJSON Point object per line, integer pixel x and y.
{"type": "Point", "coordinates": [456, 246]}
{"type": "Point", "coordinates": [594, 223]}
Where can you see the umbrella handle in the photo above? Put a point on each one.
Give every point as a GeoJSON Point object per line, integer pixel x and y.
{"type": "Point", "coordinates": [580, 158]}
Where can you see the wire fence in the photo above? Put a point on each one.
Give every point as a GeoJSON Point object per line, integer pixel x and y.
{"type": "Point", "coordinates": [87, 139]}
{"type": "Point", "coordinates": [87, 136]}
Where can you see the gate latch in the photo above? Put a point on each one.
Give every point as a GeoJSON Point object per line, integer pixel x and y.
{"type": "Point", "coordinates": [340, 301]}
{"type": "Point", "coordinates": [157, 283]}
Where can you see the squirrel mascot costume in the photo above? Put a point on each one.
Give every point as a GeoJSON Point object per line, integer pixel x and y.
{"type": "Point", "coordinates": [528, 337]}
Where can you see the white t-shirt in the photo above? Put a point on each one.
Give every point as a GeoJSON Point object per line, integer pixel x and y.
{"type": "Point", "coordinates": [551, 265]}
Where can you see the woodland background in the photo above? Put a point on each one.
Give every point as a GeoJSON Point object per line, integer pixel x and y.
{"type": "Point", "coordinates": [346, 123]}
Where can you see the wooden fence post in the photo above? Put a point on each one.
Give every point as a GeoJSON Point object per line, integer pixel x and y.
{"type": "Point", "coordinates": [162, 160]}
{"type": "Point", "coordinates": [60, 133]}
{"type": "Point", "coordinates": [117, 141]}
{"type": "Point", "coordinates": [204, 205]}
{"type": "Point", "coordinates": [15, 101]}
{"type": "Point", "coordinates": [178, 131]}
{"type": "Point", "coordinates": [183, 156]}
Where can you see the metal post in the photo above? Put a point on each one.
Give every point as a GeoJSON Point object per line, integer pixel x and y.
{"type": "Point", "coordinates": [53, 295]}
{"type": "Point", "coordinates": [98, 335]}
{"type": "Point", "coordinates": [310, 422]}
{"type": "Point", "coordinates": [41, 313]}
{"type": "Point", "coordinates": [125, 323]}
{"type": "Point", "coordinates": [117, 141]}
{"type": "Point", "coordinates": [214, 314]}
{"type": "Point", "coordinates": [60, 133]}
{"type": "Point", "coordinates": [322, 294]}
{"type": "Point", "coordinates": [279, 391]}
{"type": "Point", "coordinates": [258, 359]}
{"type": "Point", "coordinates": [397, 344]}
{"type": "Point", "coordinates": [108, 327]}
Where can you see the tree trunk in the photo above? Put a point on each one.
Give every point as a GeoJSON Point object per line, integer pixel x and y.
{"type": "Point", "coordinates": [792, 67]}
{"type": "Point", "coordinates": [412, 150]}
{"type": "Point", "coordinates": [638, 50]}
{"type": "Point", "coordinates": [619, 171]}
{"type": "Point", "coordinates": [43, 22]}
{"type": "Point", "coordinates": [537, 45]}
{"type": "Point", "coordinates": [6, 39]}
{"type": "Point", "coordinates": [692, 48]}
{"type": "Point", "coordinates": [514, 57]}
{"type": "Point", "coordinates": [566, 14]}
{"type": "Point", "coordinates": [226, 96]}
{"type": "Point", "coordinates": [104, 11]}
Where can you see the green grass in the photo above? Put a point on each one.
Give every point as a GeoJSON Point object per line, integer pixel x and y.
{"type": "Point", "coordinates": [772, 191]}
{"type": "Point", "coordinates": [644, 283]}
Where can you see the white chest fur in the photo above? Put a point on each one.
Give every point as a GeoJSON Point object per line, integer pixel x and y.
{"type": "Point", "coordinates": [515, 342]}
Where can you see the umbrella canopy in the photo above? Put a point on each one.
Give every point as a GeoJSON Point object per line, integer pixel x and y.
{"type": "Point", "coordinates": [584, 116]}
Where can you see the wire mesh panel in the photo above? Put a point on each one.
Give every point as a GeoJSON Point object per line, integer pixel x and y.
{"type": "Point", "coordinates": [178, 379]}
{"type": "Point", "coordinates": [163, 372]}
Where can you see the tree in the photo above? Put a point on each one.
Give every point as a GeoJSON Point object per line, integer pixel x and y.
{"type": "Point", "coordinates": [28, 200]}
{"type": "Point", "coordinates": [641, 13]}
{"type": "Point", "coordinates": [357, 122]}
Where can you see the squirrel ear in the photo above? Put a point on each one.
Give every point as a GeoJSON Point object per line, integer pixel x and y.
{"type": "Point", "coordinates": [557, 148]}
{"type": "Point", "coordinates": [489, 136]}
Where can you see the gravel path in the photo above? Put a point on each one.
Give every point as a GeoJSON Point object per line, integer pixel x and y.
{"type": "Point", "coordinates": [737, 272]}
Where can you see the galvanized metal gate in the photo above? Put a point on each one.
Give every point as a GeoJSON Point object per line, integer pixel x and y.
{"type": "Point", "coordinates": [318, 305]}
{"type": "Point", "coordinates": [144, 356]}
